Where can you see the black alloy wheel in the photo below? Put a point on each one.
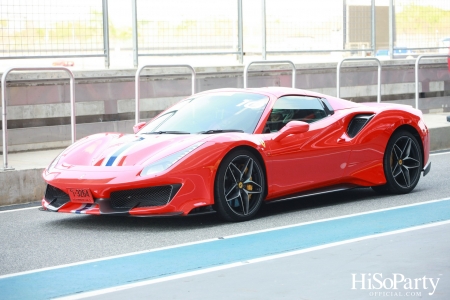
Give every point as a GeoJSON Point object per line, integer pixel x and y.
{"type": "Point", "coordinates": [239, 186]}
{"type": "Point", "coordinates": [402, 164]}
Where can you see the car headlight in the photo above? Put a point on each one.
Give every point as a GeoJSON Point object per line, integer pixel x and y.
{"type": "Point", "coordinates": [168, 161]}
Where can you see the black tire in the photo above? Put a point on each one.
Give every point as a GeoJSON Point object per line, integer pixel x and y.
{"type": "Point", "coordinates": [239, 188]}
{"type": "Point", "coordinates": [402, 164]}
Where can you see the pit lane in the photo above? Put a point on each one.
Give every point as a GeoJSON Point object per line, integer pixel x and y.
{"type": "Point", "coordinates": [32, 239]}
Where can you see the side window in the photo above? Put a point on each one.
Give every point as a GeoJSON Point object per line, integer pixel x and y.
{"type": "Point", "coordinates": [294, 108]}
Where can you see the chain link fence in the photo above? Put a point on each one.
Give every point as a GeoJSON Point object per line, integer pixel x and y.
{"type": "Point", "coordinates": [422, 25]}
{"type": "Point", "coordinates": [172, 27]}
{"type": "Point", "coordinates": [307, 27]}
{"type": "Point", "coordinates": [52, 28]}
{"type": "Point", "coordinates": [327, 29]}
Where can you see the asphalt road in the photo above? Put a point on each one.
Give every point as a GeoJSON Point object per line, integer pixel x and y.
{"type": "Point", "coordinates": [32, 239]}
{"type": "Point", "coordinates": [321, 274]}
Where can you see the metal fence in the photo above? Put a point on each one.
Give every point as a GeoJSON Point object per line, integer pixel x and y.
{"type": "Point", "coordinates": [327, 28]}
{"type": "Point", "coordinates": [422, 25]}
{"type": "Point", "coordinates": [318, 26]}
{"type": "Point", "coordinates": [173, 27]}
{"type": "Point", "coordinates": [54, 28]}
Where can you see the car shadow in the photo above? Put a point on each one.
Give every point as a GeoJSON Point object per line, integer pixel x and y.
{"type": "Point", "coordinates": [318, 201]}
{"type": "Point", "coordinates": [168, 224]}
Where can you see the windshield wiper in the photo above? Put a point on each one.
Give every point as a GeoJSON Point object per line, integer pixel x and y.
{"type": "Point", "coordinates": [168, 132]}
{"type": "Point", "coordinates": [220, 131]}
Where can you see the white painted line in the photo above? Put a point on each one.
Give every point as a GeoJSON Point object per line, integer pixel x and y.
{"type": "Point", "coordinates": [106, 258]}
{"type": "Point", "coordinates": [440, 153]}
{"type": "Point", "coordinates": [18, 209]}
{"type": "Point", "coordinates": [238, 264]}
{"type": "Point", "coordinates": [215, 239]}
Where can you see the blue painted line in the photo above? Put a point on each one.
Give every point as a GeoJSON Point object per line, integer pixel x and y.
{"type": "Point", "coordinates": [134, 268]}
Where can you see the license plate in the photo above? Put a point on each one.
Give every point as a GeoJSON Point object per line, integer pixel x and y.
{"type": "Point", "coordinates": [81, 196]}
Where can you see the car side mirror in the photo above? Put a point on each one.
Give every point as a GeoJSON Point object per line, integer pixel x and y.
{"type": "Point", "coordinates": [138, 126]}
{"type": "Point", "coordinates": [293, 127]}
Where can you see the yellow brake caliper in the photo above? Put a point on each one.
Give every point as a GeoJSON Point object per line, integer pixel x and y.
{"type": "Point", "coordinates": [249, 187]}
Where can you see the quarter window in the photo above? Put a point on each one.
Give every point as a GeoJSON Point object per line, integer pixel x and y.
{"type": "Point", "coordinates": [294, 108]}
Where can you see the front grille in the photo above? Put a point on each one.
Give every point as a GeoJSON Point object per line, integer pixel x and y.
{"type": "Point", "coordinates": [55, 196]}
{"type": "Point", "coordinates": [145, 197]}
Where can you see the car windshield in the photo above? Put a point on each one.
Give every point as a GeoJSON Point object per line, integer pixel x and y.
{"type": "Point", "coordinates": [211, 113]}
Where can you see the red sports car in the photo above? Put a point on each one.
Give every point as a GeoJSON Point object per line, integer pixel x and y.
{"type": "Point", "coordinates": [229, 150]}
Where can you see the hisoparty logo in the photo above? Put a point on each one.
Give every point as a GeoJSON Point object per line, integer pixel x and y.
{"type": "Point", "coordinates": [396, 284]}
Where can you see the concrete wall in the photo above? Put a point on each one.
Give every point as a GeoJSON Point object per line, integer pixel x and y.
{"type": "Point", "coordinates": [38, 109]}
{"type": "Point", "coordinates": [21, 186]}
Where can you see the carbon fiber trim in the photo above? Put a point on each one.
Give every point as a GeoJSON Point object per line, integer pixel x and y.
{"type": "Point", "coordinates": [56, 197]}
{"type": "Point", "coordinates": [144, 197]}
{"type": "Point", "coordinates": [357, 124]}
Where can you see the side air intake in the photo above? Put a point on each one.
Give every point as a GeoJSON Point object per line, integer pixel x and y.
{"type": "Point", "coordinates": [357, 123]}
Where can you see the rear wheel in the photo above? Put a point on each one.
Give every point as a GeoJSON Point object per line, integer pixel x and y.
{"type": "Point", "coordinates": [239, 186]}
{"type": "Point", "coordinates": [402, 164]}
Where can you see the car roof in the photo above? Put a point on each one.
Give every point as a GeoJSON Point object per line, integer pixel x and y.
{"type": "Point", "coordinates": [277, 92]}
{"type": "Point", "coordinates": [272, 90]}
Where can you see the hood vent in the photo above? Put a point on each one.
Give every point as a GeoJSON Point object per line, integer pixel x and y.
{"type": "Point", "coordinates": [357, 124]}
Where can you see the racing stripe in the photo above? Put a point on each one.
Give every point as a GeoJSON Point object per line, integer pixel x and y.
{"type": "Point", "coordinates": [82, 208]}
{"type": "Point", "coordinates": [122, 160]}
{"type": "Point", "coordinates": [99, 163]}
{"type": "Point", "coordinates": [121, 150]}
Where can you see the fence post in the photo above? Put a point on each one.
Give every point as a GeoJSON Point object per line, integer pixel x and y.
{"type": "Point", "coordinates": [391, 29]}
{"type": "Point", "coordinates": [240, 33]}
{"type": "Point", "coordinates": [373, 28]}
{"type": "Point", "coordinates": [106, 32]}
{"type": "Point", "coordinates": [135, 32]}
{"type": "Point", "coordinates": [263, 29]}
{"type": "Point", "coordinates": [344, 24]}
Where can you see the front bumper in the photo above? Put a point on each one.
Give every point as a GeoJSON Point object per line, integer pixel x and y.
{"type": "Point", "coordinates": [192, 188]}
{"type": "Point", "coordinates": [121, 202]}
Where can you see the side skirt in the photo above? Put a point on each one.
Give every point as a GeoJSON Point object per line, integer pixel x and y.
{"type": "Point", "coordinates": [314, 192]}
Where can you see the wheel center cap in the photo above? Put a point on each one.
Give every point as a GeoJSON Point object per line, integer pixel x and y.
{"type": "Point", "coordinates": [400, 162]}
{"type": "Point", "coordinates": [240, 185]}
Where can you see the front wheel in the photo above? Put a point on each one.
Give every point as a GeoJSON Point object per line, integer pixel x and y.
{"type": "Point", "coordinates": [402, 164]}
{"type": "Point", "coordinates": [239, 187]}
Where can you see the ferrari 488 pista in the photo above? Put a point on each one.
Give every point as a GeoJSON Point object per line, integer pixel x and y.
{"type": "Point", "coordinates": [230, 150]}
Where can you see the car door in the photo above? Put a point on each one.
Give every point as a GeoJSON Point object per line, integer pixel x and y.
{"type": "Point", "coordinates": [307, 160]}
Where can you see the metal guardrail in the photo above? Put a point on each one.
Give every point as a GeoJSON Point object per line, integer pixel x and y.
{"type": "Point", "coordinates": [4, 103]}
{"type": "Point", "coordinates": [416, 69]}
{"type": "Point", "coordinates": [137, 83]}
{"type": "Point", "coordinates": [270, 62]}
{"type": "Point", "coordinates": [338, 74]}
